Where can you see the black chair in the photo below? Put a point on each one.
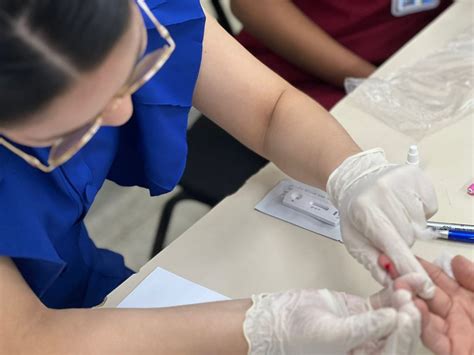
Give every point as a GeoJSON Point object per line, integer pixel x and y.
{"type": "Point", "coordinates": [221, 16]}
{"type": "Point", "coordinates": [217, 166]}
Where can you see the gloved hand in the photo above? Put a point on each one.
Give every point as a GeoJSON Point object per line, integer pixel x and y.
{"type": "Point", "coordinates": [383, 209]}
{"type": "Point", "coordinates": [324, 322]}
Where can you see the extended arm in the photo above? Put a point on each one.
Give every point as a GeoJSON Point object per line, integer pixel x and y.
{"type": "Point", "coordinates": [28, 327]}
{"type": "Point", "coordinates": [266, 113]}
{"type": "Point", "coordinates": [285, 29]}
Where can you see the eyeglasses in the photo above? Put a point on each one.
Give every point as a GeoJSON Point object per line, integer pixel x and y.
{"type": "Point", "coordinates": [67, 146]}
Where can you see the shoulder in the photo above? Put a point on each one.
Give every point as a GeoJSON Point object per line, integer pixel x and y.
{"type": "Point", "coordinates": [175, 82]}
{"type": "Point", "coordinates": [171, 12]}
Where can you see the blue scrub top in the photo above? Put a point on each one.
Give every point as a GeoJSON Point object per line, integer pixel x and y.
{"type": "Point", "coordinates": [42, 215]}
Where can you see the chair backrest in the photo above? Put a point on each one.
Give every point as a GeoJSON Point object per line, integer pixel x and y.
{"type": "Point", "coordinates": [221, 16]}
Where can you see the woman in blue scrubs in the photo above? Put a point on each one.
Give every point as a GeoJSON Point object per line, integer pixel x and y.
{"type": "Point", "coordinates": [68, 121]}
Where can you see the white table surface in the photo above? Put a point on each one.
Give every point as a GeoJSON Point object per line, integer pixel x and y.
{"type": "Point", "coordinates": [238, 251]}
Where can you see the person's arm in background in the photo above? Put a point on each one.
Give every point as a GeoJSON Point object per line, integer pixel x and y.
{"type": "Point", "coordinates": [286, 30]}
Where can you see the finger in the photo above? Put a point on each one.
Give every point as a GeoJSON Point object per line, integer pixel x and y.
{"type": "Point", "coordinates": [405, 338]}
{"type": "Point", "coordinates": [442, 280]}
{"type": "Point", "coordinates": [426, 191]}
{"type": "Point", "coordinates": [381, 299]}
{"type": "Point", "coordinates": [412, 282]}
{"type": "Point", "coordinates": [369, 326]}
{"type": "Point", "coordinates": [436, 341]}
{"type": "Point", "coordinates": [365, 253]}
{"type": "Point", "coordinates": [424, 311]}
{"type": "Point", "coordinates": [429, 319]}
{"type": "Point", "coordinates": [405, 262]}
{"type": "Point", "coordinates": [412, 329]}
{"type": "Point", "coordinates": [434, 330]}
{"type": "Point", "coordinates": [463, 270]}
{"type": "Point", "coordinates": [440, 304]}
{"type": "Point", "coordinates": [400, 211]}
{"type": "Point", "coordinates": [414, 203]}
{"type": "Point", "coordinates": [385, 263]}
{"type": "Point", "coordinates": [417, 215]}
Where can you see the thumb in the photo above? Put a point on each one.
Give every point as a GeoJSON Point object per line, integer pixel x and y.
{"type": "Point", "coordinates": [364, 327]}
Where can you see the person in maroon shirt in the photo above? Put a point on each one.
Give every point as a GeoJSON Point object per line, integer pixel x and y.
{"type": "Point", "coordinates": [316, 44]}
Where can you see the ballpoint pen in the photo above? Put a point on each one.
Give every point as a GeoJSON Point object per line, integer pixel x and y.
{"type": "Point", "coordinates": [457, 235]}
{"type": "Point", "coordinates": [450, 226]}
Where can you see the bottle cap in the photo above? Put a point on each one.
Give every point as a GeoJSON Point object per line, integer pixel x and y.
{"type": "Point", "coordinates": [413, 157]}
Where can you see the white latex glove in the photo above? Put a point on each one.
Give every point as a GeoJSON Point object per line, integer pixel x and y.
{"type": "Point", "coordinates": [405, 338]}
{"type": "Point", "coordinates": [443, 261]}
{"type": "Point", "coordinates": [383, 209]}
{"type": "Point", "coordinates": [300, 322]}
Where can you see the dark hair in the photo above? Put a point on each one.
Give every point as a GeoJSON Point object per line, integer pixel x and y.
{"type": "Point", "coordinates": [46, 44]}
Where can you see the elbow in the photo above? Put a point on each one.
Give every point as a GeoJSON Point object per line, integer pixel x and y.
{"type": "Point", "coordinates": [272, 124]}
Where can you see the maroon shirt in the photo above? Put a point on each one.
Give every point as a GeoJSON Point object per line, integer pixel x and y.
{"type": "Point", "coordinates": [366, 27]}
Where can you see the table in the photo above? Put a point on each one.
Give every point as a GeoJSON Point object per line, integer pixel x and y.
{"type": "Point", "coordinates": [238, 251]}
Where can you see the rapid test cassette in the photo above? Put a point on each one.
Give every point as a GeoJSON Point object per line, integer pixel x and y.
{"type": "Point", "coordinates": [302, 205]}
{"type": "Point", "coordinates": [312, 203]}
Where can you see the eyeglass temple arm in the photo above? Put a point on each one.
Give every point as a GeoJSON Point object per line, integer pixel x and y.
{"type": "Point", "coordinates": [161, 29]}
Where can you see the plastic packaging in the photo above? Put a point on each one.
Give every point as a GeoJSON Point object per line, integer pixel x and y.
{"type": "Point", "coordinates": [420, 99]}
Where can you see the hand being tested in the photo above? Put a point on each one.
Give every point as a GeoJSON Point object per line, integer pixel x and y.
{"type": "Point", "coordinates": [383, 209]}
{"type": "Point", "coordinates": [448, 318]}
{"type": "Point", "coordinates": [325, 322]}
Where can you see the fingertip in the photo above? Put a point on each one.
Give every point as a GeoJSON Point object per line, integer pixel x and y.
{"type": "Point", "coordinates": [462, 258]}
{"type": "Point", "coordinates": [386, 320]}
{"type": "Point", "coordinates": [403, 296]}
{"type": "Point", "coordinates": [416, 283]}
{"type": "Point", "coordinates": [402, 284]}
{"type": "Point", "coordinates": [383, 260]}
{"type": "Point", "coordinates": [460, 262]}
{"type": "Point", "coordinates": [386, 264]}
{"type": "Point", "coordinates": [428, 290]}
{"type": "Point", "coordinates": [463, 271]}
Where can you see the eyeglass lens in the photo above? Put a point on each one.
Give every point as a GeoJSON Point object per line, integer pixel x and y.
{"type": "Point", "coordinates": [143, 71]}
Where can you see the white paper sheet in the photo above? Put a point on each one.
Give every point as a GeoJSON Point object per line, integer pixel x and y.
{"type": "Point", "coordinates": [164, 289]}
{"type": "Point", "coordinates": [272, 205]}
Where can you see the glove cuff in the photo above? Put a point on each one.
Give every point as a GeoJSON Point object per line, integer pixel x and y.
{"type": "Point", "coordinates": [257, 326]}
{"type": "Point", "coordinates": [353, 169]}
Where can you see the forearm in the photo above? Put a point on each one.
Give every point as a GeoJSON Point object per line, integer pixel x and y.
{"type": "Point", "coordinates": [290, 33]}
{"type": "Point", "coordinates": [266, 113]}
{"type": "Point", "coordinates": [213, 328]}
{"type": "Point", "coordinates": [304, 140]}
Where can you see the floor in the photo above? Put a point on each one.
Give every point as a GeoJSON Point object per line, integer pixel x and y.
{"type": "Point", "coordinates": [125, 219]}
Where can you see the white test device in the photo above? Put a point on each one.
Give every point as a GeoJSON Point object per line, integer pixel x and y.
{"type": "Point", "coordinates": [312, 204]}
